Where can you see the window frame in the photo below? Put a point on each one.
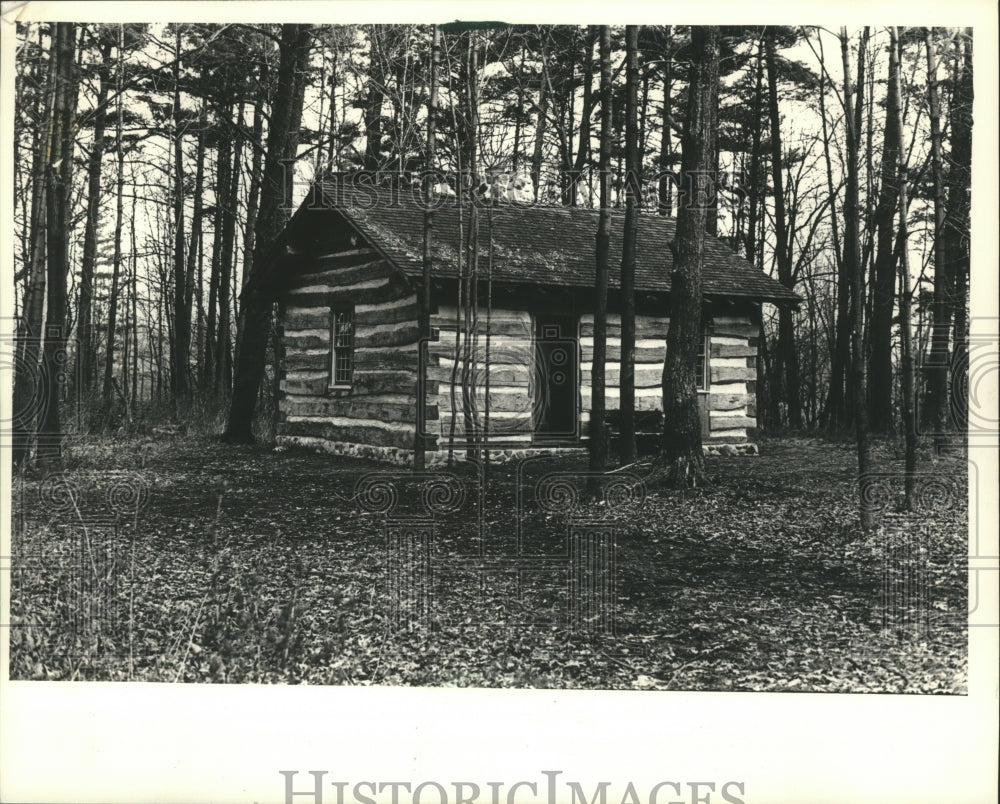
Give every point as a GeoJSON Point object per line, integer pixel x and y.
{"type": "Point", "coordinates": [703, 378]}
{"type": "Point", "coordinates": [336, 349]}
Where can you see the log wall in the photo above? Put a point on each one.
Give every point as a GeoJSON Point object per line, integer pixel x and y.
{"type": "Point", "coordinates": [379, 411]}
{"type": "Point", "coordinates": [729, 398]}
{"type": "Point", "coordinates": [377, 415]}
{"type": "Point", "coordinates": [511, 374]}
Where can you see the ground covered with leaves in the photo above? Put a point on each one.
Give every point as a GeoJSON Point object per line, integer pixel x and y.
{"type": "Point", "coordinates": [173, 559]}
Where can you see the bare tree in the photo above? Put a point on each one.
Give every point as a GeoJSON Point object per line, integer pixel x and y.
{"type": "Point", "coordinates": [598, 441]}
{"type": "Point", "coordinates": [58, 196]}
{"type": "Point", "coordinates": [681, 461]}
{"type": "Point", "coordinates": [934, 415]}
{"type": "Point", "coordinates": [633, 185]}
{"type": "Point", "coordinates": [956, 230]}
{"type": "Point", "coordinates": [420, 446]}
{"type": "Point", "coordinates": [908, 419]}
{"type": "Point", "coordinates": [787, 354]}
{"type": "Point", "coordinates": [88, 262]}
{"type": "Point", "coordinates": [27, 397]}
{"type": "Point", "coordinates": [883, 281]}
{"type": "Point", "coordinates": [256, 308]}
{"type": "Point", "coordinates": [116, 260]}
{"type": "Point", "coordinates": [852, 244]}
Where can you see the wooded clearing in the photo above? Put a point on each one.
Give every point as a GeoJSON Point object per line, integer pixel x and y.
{"type": "Point", "coordinates": [187, 299]}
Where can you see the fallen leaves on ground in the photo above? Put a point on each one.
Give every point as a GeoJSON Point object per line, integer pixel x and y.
{"type": "Point", "coordinates": [245, 564]}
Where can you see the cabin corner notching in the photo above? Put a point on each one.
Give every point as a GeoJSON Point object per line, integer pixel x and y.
{"type": "Point", "coordinates": [513, 374]}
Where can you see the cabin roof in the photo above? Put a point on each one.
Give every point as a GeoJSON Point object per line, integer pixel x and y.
{"type": "Point", "coordinates": [535, 244]}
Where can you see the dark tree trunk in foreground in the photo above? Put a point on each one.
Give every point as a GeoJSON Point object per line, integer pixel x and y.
{"type": "Point", "coordinates": [633, 186]}
{"type": "Point", "coordinates": [681, 462]}
{"type": "Point", "coordinates": [788, 357]}
{"type": "Point", "coordinates": [598, 442]}
{"type": "Point", "coordinates": [28, 398]}
{"type": "Point", "coordinates": [908, 419]}
{"type": "Point", "coordinates": [420, 445]}
{"type": "Point", "coordinates": [255, 311]}
{"type": "Point", "coordinates": [852, 243]}
{"type": "Point", "coordinates": [57, 207]}
{"type": "Point", "coordinates": [880, 403]}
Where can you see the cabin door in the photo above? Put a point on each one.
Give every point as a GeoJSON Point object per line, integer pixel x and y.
{"type": "Point", "coordinates": [557, 378]}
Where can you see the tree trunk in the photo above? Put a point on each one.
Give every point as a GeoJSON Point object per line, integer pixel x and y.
{"type": "Point", "coordinates": [835, 413]}
{"type": "Point", "coordinates": [181, 313]}
{"type": "Point", "coordinates": [957, 222]}
{"type": "Point", "coordinates": [883, 290]}
{"type": "Point", "coordinates": [788, 356]}
{"type": "Point", "coordinates": [573, 165]}
{"type": "Point", "coordinates": [224, 341]}
{"type": "Point", "coordinates": [756, 185]}
{"type": "Point", "coordinates": [29, 398]}
{"type": "Point", "coordinates": [255, 311]}
{"type": "Point", "coordinates": [598, 440]}
{"type": "Point", "coordinates": [633, 189]}
{"type": "Point", "coordinates": [471, 291]}
{"type": "Point", "coordinates": [541, 120]}
{"type": "Point", "coordinates": [681, 461]}
{"type": "Point", "coordinates": [420, 442]}
{"type": "Point", "coordinates": [665, 193]}
{"type": "Point", "coordinates": [253, 194]}
{"type": "Point", "coordinates": [192, 274]}
{"type": "Point", "coordinates": [58, 222]}
{"type": "Point", "coordinates": [852, 244]}
{"type": "Point", "coordinates": [374, 101]}
{"type": "Point", "coordinates": [908, 418]}
{"type": "Point", "coordinates": [934, 414]}
{"type": "Point", "coordinates": [116, 260]}
{"type": "Point", "coordinates": [131, 297]}
{"type": "Point", "coordinates": [222, 165]}
{"type": "Point", "coordinates": [85, 336]}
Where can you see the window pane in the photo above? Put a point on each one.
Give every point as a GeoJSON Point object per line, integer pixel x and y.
{"type": "Point", "coordinates": [343, 346]}
{"type": "Point", "coordinates": [701, 365]}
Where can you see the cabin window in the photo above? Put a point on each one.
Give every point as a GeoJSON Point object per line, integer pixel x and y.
{"type": "Point", "coordinates": [341, 347]}
{"type": "Point", "coordinates": [702, 375]}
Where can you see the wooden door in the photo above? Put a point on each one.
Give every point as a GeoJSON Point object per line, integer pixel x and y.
{"type": "Point", "coordinates": [557, 378]}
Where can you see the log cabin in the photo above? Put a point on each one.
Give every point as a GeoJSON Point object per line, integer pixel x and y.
{"type": "Point", "coordinates": [511, 372]}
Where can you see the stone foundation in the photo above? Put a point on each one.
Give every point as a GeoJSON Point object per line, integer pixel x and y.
{"type": "Point", "coordinates": [404, 457]}
{"type": "Point", "coordinates": [730, 449]}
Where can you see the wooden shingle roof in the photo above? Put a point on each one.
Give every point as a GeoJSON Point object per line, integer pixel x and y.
{"type": "Point", "coordinates": [538, 245]}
